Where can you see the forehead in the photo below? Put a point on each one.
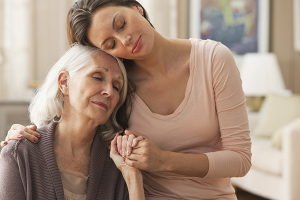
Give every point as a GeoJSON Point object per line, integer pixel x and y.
{"type": "Point", "coordinates": [102, 23]}
{"type": "Point", "coordinates": [104, 61]}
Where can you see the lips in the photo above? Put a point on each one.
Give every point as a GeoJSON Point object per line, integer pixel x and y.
{"type": "Point", "coordinates": [137, 45]}
{"type": "Point", "coordinates": [101, 104]}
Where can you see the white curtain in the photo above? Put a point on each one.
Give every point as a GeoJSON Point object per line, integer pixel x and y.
{"type": "Point", "coordinates": [32, 38]}
{"type": "Point", "coordinates": [163, 15]}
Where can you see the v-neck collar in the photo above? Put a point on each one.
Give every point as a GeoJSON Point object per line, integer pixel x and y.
{"type": "Point", "coordinates": [97, 162]}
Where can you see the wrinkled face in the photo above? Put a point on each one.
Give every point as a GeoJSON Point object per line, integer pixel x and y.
{"type": "Point", "coordinates": [94, 90]}
{"type": "Point", "coordinates": [122, 32]}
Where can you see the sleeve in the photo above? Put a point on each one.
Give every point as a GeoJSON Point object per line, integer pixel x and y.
{"type": "Point", "coordinates": [11, 186]}
{"type": "Point", "coordinates": [234, 160]}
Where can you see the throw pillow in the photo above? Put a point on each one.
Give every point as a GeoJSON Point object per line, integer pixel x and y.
{"type": "Point", "coordinates": [278, 111]}
{"type": "Point", "coordinates": [277, 136]}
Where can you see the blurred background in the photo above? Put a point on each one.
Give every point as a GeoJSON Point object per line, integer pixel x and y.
{"type": "Point", "coordinates": [263, 35]}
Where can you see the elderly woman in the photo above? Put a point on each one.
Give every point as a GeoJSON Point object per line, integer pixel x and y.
{"type": "Point", "coordinates": [85, 88]}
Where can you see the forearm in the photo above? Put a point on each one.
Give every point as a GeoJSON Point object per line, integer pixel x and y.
{"type": "Point", "coordinates": [194, 165]}
{"type": "Point", "coordinates": [134, 181]}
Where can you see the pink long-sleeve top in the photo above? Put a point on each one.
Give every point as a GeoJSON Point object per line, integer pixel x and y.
{"type": "Point", "coordinates": [211, 120]}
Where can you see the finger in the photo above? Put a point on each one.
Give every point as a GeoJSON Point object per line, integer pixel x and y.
{"type": "Point", "coordinates": [136, 141]}
{"type": "Point", "coordinates": [135, 157]}
{"type": "Point", "coordinates": [32, 127]}
{"type": "Point", "coordinates": [129, 144]}
{"type": "Point", "coordinates": [137, 151]}
{"type": "Point", "coordinates": [133, 163]}
{"type": "Point", "coordinates": [124, 145]}
{"type": "Point", "coordinates": [136, 134]}
{"type": "Point", "coordinates": [19, 135]}
{"type": "Point", "coordinates": [32, 132]}
{"type": "Point", "coordinates": [113, 145]}
{"type": "Point", "coordinates": [3, 143]}
{"type": "Point", "coordinates": [17, 129]}
{"type": "Point", "coordinates": [115, 156]}
{"type": "Point", "coordinates": [119, 144]}
{"type": "Point", "coordinates": [14, 135]}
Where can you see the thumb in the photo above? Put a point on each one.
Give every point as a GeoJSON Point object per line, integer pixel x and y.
{"type": "Point", "coordinates": [113, 144]}
{"type": "Point", "coordinates": [32, 127]}
{"type": "Point", "coordinates": [136, 134]}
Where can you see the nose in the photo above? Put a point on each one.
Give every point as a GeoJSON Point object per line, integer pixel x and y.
{"type": "Point", "coordinates": [107, 91]}
{"type": "Point", "coordinates": [126, 39]}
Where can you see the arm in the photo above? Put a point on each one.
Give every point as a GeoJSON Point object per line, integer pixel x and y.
{"type": "Point", "coordinates": [149, 157]}
{"type": "Point", "coordinates": [11, 186]}
{"type": "Point", "coordinates": [17, 132]}
{"type": "Point", "coordinates": [234, 160]}
{"type": "Point", "coordinates": [131, 175]}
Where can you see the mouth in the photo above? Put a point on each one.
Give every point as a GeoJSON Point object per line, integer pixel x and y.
{"type": "Point", "coordinates": [137, 45]}
{"type": "Point", "coordinates": [100, 104]}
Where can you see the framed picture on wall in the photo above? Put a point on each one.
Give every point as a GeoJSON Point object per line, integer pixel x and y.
{"type": "Point", "coordinates": [297, 25]}
{"type": "Point", "coordinates": [241, 25]}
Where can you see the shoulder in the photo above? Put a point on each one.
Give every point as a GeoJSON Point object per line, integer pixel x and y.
{"type": "Point", "coordinates": [48, 129]}
{"type": "Point", "coordinates": [16, 148]}
{"type": "Point", "coordinates": [208, 46]}
{"type": "Point", "coordinates": [9, 149]}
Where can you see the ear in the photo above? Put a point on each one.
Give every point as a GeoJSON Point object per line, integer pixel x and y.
{"type": "Point", "coordinates": [138, 8]}
{"type": "Point", "coordinates": [63, 82]}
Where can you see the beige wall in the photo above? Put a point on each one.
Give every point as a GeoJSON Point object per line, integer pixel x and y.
{"type": "Point", "coordinates": [282, 43]}
{"type": "Point", "coordinates": [1, 45]}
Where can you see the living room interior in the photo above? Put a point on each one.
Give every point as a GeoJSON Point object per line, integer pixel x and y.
{"type": "Point", "coordinates": [33, 37]}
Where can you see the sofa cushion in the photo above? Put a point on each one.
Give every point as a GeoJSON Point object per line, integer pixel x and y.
{"type": "Point", "coordinates": [277, 136]}
{"type": "Point", "coordinates": [278, 111]}
{"type": "Point", "coordinates": [264, 157]}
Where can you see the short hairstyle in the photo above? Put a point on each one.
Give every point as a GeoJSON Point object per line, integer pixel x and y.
{"type": "Point", "coordinates": [48, 101]}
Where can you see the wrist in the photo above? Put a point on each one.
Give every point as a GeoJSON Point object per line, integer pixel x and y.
{"type": "Point", "coordinates": [132, 175]}
{"type": "Point", "coordinates": [166, 164]}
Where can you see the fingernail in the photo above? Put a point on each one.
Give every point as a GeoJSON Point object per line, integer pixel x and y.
{"type": "Point", "coordinates": [35, 140]}
{"type": "Point", "coordinates": [5, 143]}
{"type": "Point", "coordinates": [127, 152]}
{"type": "Point", "coordinates": [20, 136]}
{"type": "Point", "coordinates": [38, 136]}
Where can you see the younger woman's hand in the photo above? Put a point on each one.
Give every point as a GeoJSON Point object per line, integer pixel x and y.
{"type": "Point", "coordinates": [146, 155]}
{"type": "Point", "coordinates": [17, 132]}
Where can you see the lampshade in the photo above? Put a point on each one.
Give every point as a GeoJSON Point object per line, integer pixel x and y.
{"type": "Point", "coordinates": [261, 74]}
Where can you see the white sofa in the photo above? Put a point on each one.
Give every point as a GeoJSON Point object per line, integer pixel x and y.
{"type": "Point", "coordinates": [275, 173]}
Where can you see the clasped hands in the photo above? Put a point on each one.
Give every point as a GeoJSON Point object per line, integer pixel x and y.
{"type": "Point", "coordinates": [137, 150]}
{"type": "Point", "coordinates": [140, 152]}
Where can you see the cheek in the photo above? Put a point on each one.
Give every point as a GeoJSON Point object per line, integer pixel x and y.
{"type": "Point", "coordinates": [115, 102]}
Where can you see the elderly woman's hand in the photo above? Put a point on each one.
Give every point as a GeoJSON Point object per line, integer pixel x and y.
{"type": "Point", "coordinates": [17, 132]}
{"type": "Point", "coordinates": [126, 142]}
{"type": "Point", "coordinates": [145, 155]}
{"type": "Point", "coordinates": [117, 158]}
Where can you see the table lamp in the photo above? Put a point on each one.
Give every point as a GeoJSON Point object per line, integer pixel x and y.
{"type": "Point", "coordinates": [260, 74]}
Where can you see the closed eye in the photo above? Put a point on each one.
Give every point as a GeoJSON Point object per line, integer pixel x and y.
{"type": "Point", "coordinates": [114, 44]}
{"type": "Point", "coordinates": [115, 87]}
{"type": "Point", "coordinates": [98, 78]}
{"type": "Point", "coordinates": [123, 25]}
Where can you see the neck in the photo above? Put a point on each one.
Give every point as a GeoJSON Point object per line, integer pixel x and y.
{"type": "Point", "coordinates": [74, 134]}
{"type": "Point", "coordinates": [159, 61]}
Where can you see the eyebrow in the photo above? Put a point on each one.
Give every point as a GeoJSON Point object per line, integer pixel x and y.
{"type": "Point", "coordinates": [113, 25]}
{"type": "Point", "coordinates": [107, 70]}
{"type": "Point", "coordinates": [103, 68]}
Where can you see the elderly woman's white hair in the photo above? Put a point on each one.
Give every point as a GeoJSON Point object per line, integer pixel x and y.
{"type": "Point", "coordinates": [48, 102]}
